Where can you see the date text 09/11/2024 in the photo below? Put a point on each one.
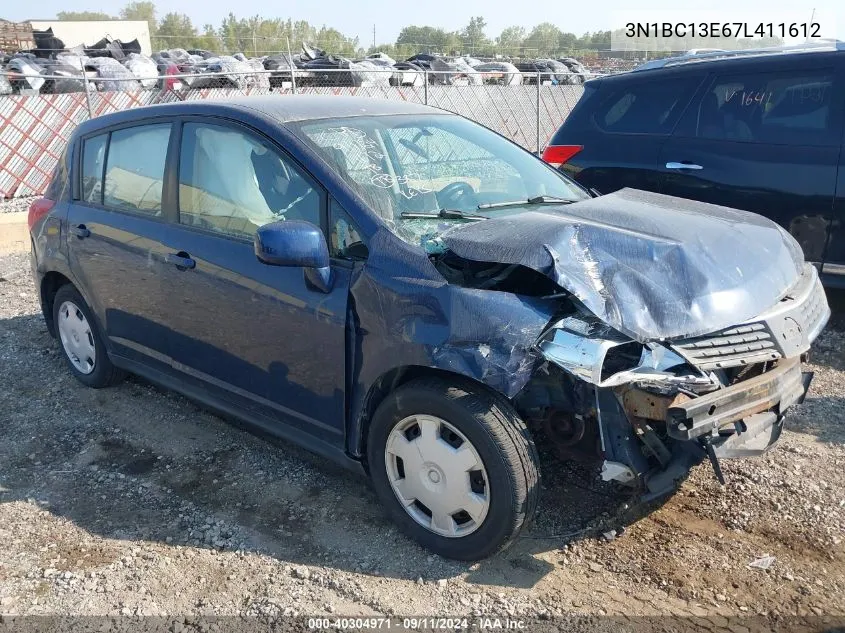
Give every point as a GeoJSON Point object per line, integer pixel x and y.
{"type": "Point", "coordinates": [807, 30]}
{"type": "Point", "coordinates": [413, 624]}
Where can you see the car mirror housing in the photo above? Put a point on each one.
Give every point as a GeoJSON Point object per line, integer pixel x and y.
{"type": "Point", "coordinates": [295, 243]}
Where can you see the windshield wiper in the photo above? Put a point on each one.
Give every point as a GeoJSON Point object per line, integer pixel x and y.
{"type": "Point", "coordinates": [443, 214]}
{"type": "Point", "coordinates": [534, 200]}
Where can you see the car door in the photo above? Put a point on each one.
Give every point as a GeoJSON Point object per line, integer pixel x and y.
{"type": "Point", "coordinates": [117, 220]}
{"type": "Point", "coordinates": [257, 335]}
{"type": "Point", "coordinates": [834, 258]}
{"type": "Point", "coordinates": [619, 144]}
{"type": "Point", "coordinates": [766, 142]}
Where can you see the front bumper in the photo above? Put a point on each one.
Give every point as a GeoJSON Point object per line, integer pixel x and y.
{"type": "Point", "coordinates": [653, 441]}
{"type": "Point", "coordinates": [684, 400]}
{"type": "Point", "coordinates": [762, 397]}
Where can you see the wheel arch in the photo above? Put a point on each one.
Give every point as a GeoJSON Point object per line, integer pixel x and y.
{"type": "Point", "coordinates": [50, 284]}
{"type": "Point", "coordinates": [388, 382]}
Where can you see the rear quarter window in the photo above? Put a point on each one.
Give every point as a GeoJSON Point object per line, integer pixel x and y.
{"type": "Point", "coordinates": [57, 188]}
{"type": "Point", "coordinates": [645, 107]}
{"type": "Point", "coordinates": [93, 155]}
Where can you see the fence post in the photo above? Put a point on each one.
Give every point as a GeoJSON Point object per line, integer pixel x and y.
{"type": "Point", "coordinates": [539, 149]}
{"type": "Point", "coordinates": [87, 93]}
{"type": "Point", "coordinates": [292, 68]}
{"type": "Point", "coordinates": [425, 86]}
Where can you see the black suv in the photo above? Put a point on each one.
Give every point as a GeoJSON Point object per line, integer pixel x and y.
{"type": "Point", "coordinates": [755, 130]}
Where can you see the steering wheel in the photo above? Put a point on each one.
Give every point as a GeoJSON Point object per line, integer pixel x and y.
{"type": "Point", "coordinates": [455, 193]}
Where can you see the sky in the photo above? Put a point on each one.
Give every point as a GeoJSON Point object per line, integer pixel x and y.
{"type": "Point", "coordinates": [357, 18]}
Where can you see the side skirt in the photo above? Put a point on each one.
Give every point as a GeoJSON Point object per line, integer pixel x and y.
{"type": "Point", "coordinates": [257, 421]}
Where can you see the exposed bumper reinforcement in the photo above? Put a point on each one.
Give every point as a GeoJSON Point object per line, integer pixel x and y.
{"type": "Point", "coordinates": [756, 403]}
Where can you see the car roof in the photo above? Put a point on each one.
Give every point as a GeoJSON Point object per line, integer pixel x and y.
{"type": "Point", "coordinates": [281, 108]}
{"type": "Point", "coordinates": [729, 57]}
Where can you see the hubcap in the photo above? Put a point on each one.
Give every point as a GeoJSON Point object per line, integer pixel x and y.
{"type": "Point", "coordinates": [77, 338]}
{"type": "Point", "coordinates": [437, 475]}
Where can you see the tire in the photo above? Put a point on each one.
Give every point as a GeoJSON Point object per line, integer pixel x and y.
{"type": "Point", "coordinates": [84, 354]}
{"type": "Point", "coordinates": [507, 482]}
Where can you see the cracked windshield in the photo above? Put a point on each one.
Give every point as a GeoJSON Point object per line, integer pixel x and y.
{"type": "Point", "coordinates": [422, 174]}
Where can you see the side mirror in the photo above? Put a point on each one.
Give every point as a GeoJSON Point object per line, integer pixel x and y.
{"type": "Point", "coordinates": [296, 243]}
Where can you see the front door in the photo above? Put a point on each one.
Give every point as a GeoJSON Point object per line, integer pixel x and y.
{"type": "Point", "coordinates": [256, 334]}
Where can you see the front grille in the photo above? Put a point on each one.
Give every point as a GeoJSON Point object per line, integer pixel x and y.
{"type": "Point", "coordinates": [736, 346]}
{"type": "Point", "coordinates": [813, 310]}
{"type": "Point", "coordinates": [784, 331]}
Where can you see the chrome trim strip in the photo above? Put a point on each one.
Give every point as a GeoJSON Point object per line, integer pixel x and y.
{"type": "Point", "coordinates": [834, 269]}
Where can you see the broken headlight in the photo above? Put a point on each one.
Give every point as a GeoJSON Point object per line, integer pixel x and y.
{"type": "Point", "coordinates": [596, 353]}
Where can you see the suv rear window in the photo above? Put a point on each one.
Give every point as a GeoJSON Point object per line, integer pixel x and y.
{"type": "Point", "coordinates": [778, 108]}
{"type": "Point", "coordinates": [649, 107]}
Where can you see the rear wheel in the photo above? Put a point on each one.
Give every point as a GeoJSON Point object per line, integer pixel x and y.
{"type": "Point", "coordinates": [80, 340]}
{"type": "Point", "coordinates": [455, 466]}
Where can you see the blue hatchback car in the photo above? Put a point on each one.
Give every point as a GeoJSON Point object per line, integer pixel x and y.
{"type": "Point", "coordinates": [410, 294]}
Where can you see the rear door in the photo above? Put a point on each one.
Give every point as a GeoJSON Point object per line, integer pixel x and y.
{"type": "Point", "coordinates": [622, 128]}
{"type": "Point", "coordinates": [117, 221]}
{"type": "Point", "coordinates": [766, 141]}
{"type": "Point", "coordinates": [257, 335]}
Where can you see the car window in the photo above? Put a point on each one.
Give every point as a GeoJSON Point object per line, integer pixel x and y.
{"type": "Point", "coordinates": [432, 158]}
{"type": "Point", "coordinates": [346, 241]}
{"type": "Point", "coordinates": [58, 181]}
{"type": "Point", "coordinates": [779, 108]}
{"type": "Point", "coordinates": [232, 183]}
{"type": "Point", "coordinates": [93, 153]}
{"type": "Point", "coordinates": [407, 168]}
{"type": "Point", "coordinates": [135, 168]}
{"type": "Point", "coordinates": [649, 107]}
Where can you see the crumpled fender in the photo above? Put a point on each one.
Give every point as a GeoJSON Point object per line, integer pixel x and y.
{"type": "Point", "coordinates": [407, 315]}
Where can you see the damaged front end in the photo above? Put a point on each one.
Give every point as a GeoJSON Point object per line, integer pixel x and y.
{"type": "Point", "coordinates": [651, 410]}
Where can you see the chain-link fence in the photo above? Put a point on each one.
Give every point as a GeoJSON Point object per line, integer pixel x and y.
{"type": "Point", "coordinates": [37, 119]}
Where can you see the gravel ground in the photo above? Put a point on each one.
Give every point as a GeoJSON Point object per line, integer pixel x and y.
{"type": "Point", "coordinates": [132, 500]}
{"type": "Point", "coordinates": [13, 205]}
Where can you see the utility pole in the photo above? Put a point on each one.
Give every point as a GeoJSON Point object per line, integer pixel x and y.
{"type": "Point", "coordinates": [374, 37]}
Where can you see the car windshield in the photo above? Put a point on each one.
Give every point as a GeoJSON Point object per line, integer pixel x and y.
{"type": "Point", "coordinates": [422, 174]}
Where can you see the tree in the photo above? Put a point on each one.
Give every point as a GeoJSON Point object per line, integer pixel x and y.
{"type": "Point", "coordinates": [473, 37]}
{"type": "Point", "coordinates": [543, 39]}
{"type": "Point", "coordinates": [141, 10]}
{"type": "Point", "coordinates": [175, 30]}
{"type": "Point", "coordinates": [83, 15]}
{"type": "Point", "coordinates": [427, 39]}
{"type": "Point", "coordinates": [510, 40]}
{"type": "Point", "coordinates": [566, 42]}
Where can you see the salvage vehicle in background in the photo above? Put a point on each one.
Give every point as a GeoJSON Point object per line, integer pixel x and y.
{"type": "Point", "coordinates": [759, 130]}
{"type": "Point", "coordinates": [412, 295]}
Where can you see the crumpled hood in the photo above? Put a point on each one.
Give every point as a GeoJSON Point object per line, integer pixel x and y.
{"type": "Point", "coordinates": [649, 265]}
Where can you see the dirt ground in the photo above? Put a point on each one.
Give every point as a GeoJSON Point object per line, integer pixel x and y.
{"type": "Point", "coordinates": [135, 501]}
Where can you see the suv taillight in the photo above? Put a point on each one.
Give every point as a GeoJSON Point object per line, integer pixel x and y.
{"type": "Point", "coordinates": [38, 209]}
{"type": "Point", "coordinates": [557, 155]}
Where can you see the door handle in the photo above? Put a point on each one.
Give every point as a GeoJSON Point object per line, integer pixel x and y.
{"type": "Point", "coordinates": [181, 260]}
{"type": "Point", "coordinates": [80, 231]}
{"type": "Point", "coordinates": [683, 166]}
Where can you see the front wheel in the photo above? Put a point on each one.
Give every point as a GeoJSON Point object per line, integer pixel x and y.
{"type": "Point", "coordinates": [455, 466]}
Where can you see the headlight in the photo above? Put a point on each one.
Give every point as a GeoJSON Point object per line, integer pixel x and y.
{"type": "Point", "coordinates": [593, 351]}
{"type": "Point", "coordinates": [589, 349]}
